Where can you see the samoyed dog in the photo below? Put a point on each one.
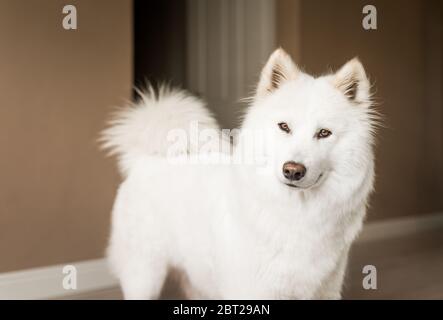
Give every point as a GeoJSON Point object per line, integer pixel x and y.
{"type": "Point", "coordinates": [277, 228]}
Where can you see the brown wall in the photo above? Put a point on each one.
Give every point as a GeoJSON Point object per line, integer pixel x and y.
{"type": "Point", "coordinates": [403, 59]}
{"type": "Point", "coordinates": [56, 87]}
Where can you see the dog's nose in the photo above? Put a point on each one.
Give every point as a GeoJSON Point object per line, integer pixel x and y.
{"type": "Point", "coordinates": [294, 171]}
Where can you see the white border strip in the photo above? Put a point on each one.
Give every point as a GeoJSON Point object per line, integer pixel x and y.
{"type": "Point", "coordinates": [47, 282]}
{"type": "Point", "coordinates": [93, 275]}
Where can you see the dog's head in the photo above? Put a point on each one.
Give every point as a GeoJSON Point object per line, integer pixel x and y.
{"type": "Point", "coordinates": [314, 126]}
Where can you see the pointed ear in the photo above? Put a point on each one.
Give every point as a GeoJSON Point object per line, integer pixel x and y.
{"type": "Point", "coordinates": [279, 69]}
{"type": "Point", "coordinates": [351, 80]}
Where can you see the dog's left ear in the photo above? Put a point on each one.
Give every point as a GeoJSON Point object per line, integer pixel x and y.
{"type": "Point", "coordinates": [352, 81]}
{"type": "Point", "coordinates": [279, 69]}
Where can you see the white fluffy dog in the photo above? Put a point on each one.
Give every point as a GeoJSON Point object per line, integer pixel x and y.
{"type": "Point", "coordinates": [278, 228]}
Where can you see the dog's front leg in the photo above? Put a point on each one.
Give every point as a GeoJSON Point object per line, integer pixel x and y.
{"type": "Point", "coordinates": [332, 286]}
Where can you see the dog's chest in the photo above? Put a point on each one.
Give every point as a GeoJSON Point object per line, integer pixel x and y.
{"type": "Point", "coordinates": [271, 258]}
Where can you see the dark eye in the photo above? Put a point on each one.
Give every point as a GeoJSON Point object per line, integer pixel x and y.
{"type": "Point", "coordinates": [284, 126]}
{"type": "Point", "coordinates": [323, 133]}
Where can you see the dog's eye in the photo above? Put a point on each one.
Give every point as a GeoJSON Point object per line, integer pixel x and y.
{"type": "Point", "coordinates": [323, 133]}
{"type": "Point", "coordinates": [284, 126]}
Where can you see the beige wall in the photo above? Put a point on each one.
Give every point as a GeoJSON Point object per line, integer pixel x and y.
{"type": "Point", "coordinates": [56, 87]}
{"type": "Point", "coordinates": [403, 60]}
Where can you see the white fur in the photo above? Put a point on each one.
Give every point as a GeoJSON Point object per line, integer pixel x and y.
{"type": "Point", "coordinates": [234, 231]}
{"type": "Point", "coordinates": [142, 128]}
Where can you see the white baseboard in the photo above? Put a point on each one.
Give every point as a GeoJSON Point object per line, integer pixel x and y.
{"type": "Point", "coordinates": [47, 282]}
{"type": "Point", "coordinates": [391, 228]}
{"type": "Point", "coordinates": [93, 275]}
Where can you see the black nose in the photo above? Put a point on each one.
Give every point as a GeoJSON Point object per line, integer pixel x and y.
{"type": "Point", "coordinates": [294, 171]}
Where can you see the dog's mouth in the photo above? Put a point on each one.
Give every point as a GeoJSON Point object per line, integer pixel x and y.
{"type": "Point", "coordinates": [303, 187]}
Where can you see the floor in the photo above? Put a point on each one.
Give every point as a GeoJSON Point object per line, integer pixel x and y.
{"type": "Point", "coordinates": [407, 268]}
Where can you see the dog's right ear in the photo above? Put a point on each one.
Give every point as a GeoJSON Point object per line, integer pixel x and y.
{"type": "Point", "coordinates": [279, 69]}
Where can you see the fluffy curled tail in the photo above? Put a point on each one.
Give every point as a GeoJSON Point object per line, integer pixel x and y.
{"type": "Point", "coordinates": [142, 128]}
